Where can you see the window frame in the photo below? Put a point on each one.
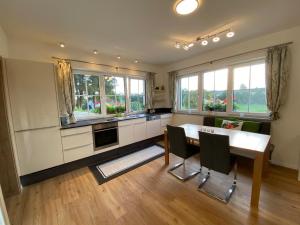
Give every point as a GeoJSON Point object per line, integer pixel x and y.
{"type": "Point", "coordinates": [230, 86]}
{"type": "Point", "coordinates": [102, 94]}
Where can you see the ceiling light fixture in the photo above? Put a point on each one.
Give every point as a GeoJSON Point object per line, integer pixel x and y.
{"type": "Point", "coordinates": [95, 52]}
{"type": "Point", "coordinates": [216, 39]}
{"type": "Point", "coordinates": [186, 47]}
{"type": "Point", "coordinates": [185, 7]}
{"type": "Point", "coordinates": [177, 45]}
{"type": "Point", "coordinates": [118, 57]}
{"type": "Point", "coordinates": [191, 44]}
{"type": "Point", "coordinates": [230, 34]}
{"type": "Point", "coordinates": [204, 42]}
{"type": "Point", "coordinates": [62, 45]}
{"type": "Point", "coordinates": [136, 61]}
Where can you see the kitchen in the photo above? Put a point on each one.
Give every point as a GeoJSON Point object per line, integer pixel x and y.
{"type": "Point", "coordinates": [46, 146]}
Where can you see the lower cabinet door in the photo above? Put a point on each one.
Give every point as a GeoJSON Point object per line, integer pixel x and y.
{"type": "Point", "coordinates": [139, 132]}
{"type": "Point", "coordinates": [39, 149]}
{"type": "Point", "coordinates": [153, 128]}
{"type": "Point", "coordinates": [126, 136]}
{"type": "Point", "coordinates": [78, 153]}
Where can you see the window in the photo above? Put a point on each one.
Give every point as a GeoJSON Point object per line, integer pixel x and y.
{"type": "Point", "coordinates": [189, 93]}
{"type": "Point", "coordinates": [137, 95]}
{"type": "Point", "coordinates": [215, 90]}
{"type": "Point", "coordinates": [115, 95]}
{"type": "Point", "coordinates": [249, 88]}
{"type": "Point", "coordinates": [87, 94]}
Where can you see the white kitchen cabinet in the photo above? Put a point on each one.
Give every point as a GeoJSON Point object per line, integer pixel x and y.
{"type": "Point", "coordinates": [126, 135]}
{"type": "Point", "coordinates": [32, 94]}
{"type": "Point", "coordinates": [39, 149]}
{"type": "Point", "coordinates": [77, 143]}
{"type": "Point", "coordinates": [165, 120]}
{"type": "Point", "coordinates": [140, 131]}
{"type": "Point", "coordinates": [153, 128]}
{"type": "Point", "coordinates": [131, 131]}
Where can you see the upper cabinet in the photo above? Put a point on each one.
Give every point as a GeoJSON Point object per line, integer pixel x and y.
{"type": "Point", "coordinates": [33, 99]}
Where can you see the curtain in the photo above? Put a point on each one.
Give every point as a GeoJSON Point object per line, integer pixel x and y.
{"type": "Point", "coordinates": [173, 89]}
{"type": "Point", "coordinates": [277, 74]}
{"type": "Point", "coordinates": [65, 85]}
{"type": "Point", "coordinates": [149, 89]}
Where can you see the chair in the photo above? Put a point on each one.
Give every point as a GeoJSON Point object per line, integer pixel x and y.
{"type": "Point", "coordinates": [180, 148]}
{"type": "Point", "coordinates": [215, 155]}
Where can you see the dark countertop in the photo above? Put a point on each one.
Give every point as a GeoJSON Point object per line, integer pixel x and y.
{"type": "Point", "coordinates": [83, 123]}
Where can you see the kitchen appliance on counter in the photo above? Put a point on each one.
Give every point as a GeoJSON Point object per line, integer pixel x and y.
{"type": "Point", "coordinates": [105, 135]}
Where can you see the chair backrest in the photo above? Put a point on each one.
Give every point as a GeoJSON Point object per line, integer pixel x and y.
{"type": "Point", "coordinates": [215, 152]}
{"type": "Point", "coordinates": [177, 140]}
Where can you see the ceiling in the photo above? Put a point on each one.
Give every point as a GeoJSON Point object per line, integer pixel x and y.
{"type": "Point", "coordinates": [142, 29]}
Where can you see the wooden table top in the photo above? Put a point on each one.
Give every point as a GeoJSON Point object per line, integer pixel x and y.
{"type": "Point", "coordinates": [243, 140]}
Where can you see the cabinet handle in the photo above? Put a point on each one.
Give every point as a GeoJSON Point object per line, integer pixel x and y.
{"type": "Point", "coordinates": [39, 128]}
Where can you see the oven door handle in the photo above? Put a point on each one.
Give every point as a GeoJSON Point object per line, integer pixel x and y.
{"type": "Point", "coordinates": [114, 128]}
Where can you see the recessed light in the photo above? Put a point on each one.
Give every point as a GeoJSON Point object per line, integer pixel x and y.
{"type": "Point", "coordinates": [230, 34]}
{"type": "Point", "coordinates": [118, 57]}
{"type": "Point", "coordinates": [204, 42]}
{"type": "Point", "coordinates": [185, 7]}
{"type": "Point", "coordinates": [95, 52]}
{"type": "Point", "coordinates": [62, 45]}
{"type": "Point", "coordinates": [136, 61]}
{"type": "Point", "coordinates": [216, 39]}
{"type": "Point", "coordinates": [177, 45]}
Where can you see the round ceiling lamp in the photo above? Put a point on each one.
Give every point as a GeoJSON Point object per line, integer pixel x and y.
{"type": "Point", "coordinates": [185, 7]}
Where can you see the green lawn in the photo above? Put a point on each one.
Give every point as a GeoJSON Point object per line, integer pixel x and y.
{"type": "Point", "coordinates": [256, 108]}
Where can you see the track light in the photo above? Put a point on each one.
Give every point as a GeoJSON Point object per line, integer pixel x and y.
{"type": "Point", "coordinates": [177, 45]}
{"type": "Point", "coordinates": [230, 34]}
{"type": "Point", "coordinates": [186, 47]}
{"type": "Point", "coordinates": [191, 44]}
{"type": "Point", "coordinates": [216, 39]}
{"type": "Point", "coordinates": [204, 42]}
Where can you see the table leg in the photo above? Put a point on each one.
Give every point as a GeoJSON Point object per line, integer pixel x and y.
{"type": "Point", "coordinates": [257, 177]}
{"type": "Point", "coordinates": [166, 147]}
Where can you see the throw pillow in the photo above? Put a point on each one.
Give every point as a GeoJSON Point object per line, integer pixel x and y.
{"type": "Point", "coordinates": [234, 125]}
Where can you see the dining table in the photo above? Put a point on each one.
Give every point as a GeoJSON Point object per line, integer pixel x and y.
{"type": "Point", "coordinates": [247, 144]}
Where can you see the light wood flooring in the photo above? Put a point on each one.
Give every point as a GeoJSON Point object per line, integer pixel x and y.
{"type": "Point", "coordinates": [149, 195]}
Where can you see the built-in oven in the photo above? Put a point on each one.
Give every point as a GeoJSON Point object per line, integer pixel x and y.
{"type": "Point", "coordinates": [105, 135]}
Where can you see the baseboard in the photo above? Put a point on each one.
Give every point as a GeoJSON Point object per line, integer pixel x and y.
{"type": "Point", "coordinates": [284, 164]}
{"type": "Point", "coordinates": [89, 161]}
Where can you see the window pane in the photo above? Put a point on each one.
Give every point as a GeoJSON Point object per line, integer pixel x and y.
{"type": "Point", "coordinates": [134, 86]}
{"type": "Point", "coordinates": [79, 84]}
{"type": "Point", "coordinates": [258, 102]}
{"type": "Point", "coordinates": [193, 91]}
{"type": "Point", "coordinates": [241, 78]}
{"type": "Point", "coordinates": [208, 81]}
{"type": "Point", "coordinates": [110, 84]}
{"type": "Point", "coordinates": [92, 85]}
{"type": "Point", "coordinates": [81, 104]}
{"type": "Point", "coordinates": [137, 94]}
{"type": "Point", "coordinates": [240, 100]}
{"type": "Point", "coordinates": [215, 90]}
{"type": "Point", "coordinates": [258, 79]}
{"type": "Point", "coordinates": [94, 104]}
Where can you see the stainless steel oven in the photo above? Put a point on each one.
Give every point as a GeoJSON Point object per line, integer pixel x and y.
{"type": "Point", "coordinates": [105, 135]}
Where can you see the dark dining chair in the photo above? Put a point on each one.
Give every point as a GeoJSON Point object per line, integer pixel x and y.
{"type": "Point", "coordinates": [215, 155]}
{"type": "Point", "coordinates": [180, 148]}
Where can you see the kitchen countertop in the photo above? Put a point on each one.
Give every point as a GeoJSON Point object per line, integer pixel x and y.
{"type": "Point", "coordinates": [82, 123]}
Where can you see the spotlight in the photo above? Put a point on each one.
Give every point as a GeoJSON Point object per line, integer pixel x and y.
{"type": "Point", "coordinates": [177, 45]}
{"type": "Point", "coordinates": [204, 42]}
{"type": "Point", "coordinates": [230, 34]}
{"type": "Point", "coordinates": [216, 39]}
{"type": "Point", "coordinates": [95, 52]}
{"type": "Point", "coordinates": [62, 45]}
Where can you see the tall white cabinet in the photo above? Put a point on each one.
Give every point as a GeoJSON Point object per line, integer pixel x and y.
{"type": "Point", "coordinates": [34, 109]}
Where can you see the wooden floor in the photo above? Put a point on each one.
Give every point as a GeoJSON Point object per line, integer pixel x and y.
{"type": "Point", "coordinates": [149, 195]}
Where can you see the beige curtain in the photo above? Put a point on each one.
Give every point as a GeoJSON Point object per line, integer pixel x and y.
{"type": "Point", "coordinates": [277, 74]}
{"type": "Point", "coordinates": [173, 89]}
{"type": "Point", "coordinates": [66, 90]}
{"type": "Point", "coordinates": [149, 89]}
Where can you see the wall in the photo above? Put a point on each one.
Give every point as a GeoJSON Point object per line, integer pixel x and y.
{"type": "Point", "coordinates": [286, 131]}
{"type": "Point", "coordinates": [3, 43]}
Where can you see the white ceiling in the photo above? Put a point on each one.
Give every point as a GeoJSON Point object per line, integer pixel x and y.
{"type": "Point", "coordinates": [142, 29]}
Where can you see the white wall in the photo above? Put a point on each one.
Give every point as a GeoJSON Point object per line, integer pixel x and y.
{"type": "Point", "coordinates": [3, 43]}
{"type": "Point", "coordinates": [286, 131]}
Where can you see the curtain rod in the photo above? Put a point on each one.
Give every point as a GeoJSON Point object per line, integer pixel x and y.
{"type": "Point", "coordinates": [100, 64]}
{"type": "Point", "coordinates": [228, 57]}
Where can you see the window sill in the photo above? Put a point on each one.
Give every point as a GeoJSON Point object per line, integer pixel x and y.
{"type": "Point", "coordinates": [262, 116]}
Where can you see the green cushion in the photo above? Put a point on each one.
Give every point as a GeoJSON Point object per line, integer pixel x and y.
{"type": "Point", "coordinates": [251, 126]}
{"type": "Point", "coordinates": [219, 120]}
